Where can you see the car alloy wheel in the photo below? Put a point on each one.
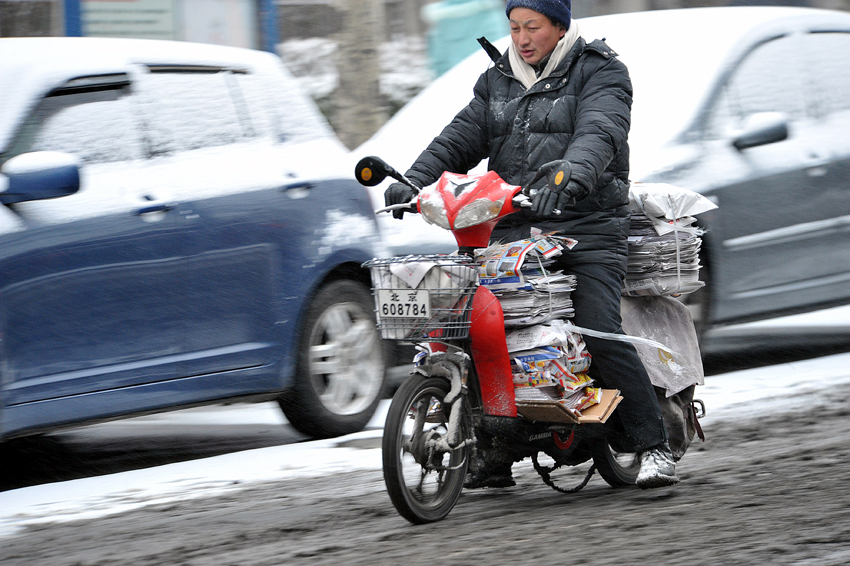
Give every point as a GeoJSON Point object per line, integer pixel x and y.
{"type": "Point", "coordinates": [341, 367]}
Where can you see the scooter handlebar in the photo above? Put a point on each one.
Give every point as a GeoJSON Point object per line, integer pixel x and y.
{"type": "Point", "coordinates": [523, 200]}
{"type": "Point", "coordinates": [410, 207]}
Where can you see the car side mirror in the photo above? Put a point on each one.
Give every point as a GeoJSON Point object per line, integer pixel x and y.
{"type": "Point", "coordinates": [39, 175]}
{"type": "Point", "coordinates": [762, 128]}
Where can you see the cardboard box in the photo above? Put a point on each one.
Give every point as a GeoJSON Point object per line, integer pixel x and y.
{"type": "Point", "coordinates": [556, 412]}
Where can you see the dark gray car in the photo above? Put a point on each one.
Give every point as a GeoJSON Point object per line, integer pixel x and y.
{"type": "Point", "coordinates": [768, 143]}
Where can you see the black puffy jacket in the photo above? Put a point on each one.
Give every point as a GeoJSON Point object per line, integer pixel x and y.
{"type": "Point", "coordinates": [580, 113]}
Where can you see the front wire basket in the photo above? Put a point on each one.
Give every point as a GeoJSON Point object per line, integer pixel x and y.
{"type": "Point", "coordinates": [423, 298]}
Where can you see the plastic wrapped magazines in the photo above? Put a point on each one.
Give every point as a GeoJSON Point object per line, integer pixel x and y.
{"type": "Point", "coordinates": [674, 368]}
{"type": "Point", "coordinates": [664, 242]}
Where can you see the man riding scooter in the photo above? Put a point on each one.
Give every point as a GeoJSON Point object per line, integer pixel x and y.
{"type": "Point", "coordinates": [553, 114]}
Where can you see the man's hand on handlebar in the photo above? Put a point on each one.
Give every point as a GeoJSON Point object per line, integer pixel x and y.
{"type": "Point", "coordinates": [398, 193]}
{"type": "Point", "coordinates": [560, 191]}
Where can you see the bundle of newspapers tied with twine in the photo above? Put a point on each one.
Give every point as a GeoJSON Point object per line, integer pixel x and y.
{"type": "Point", "coordinates": [549, 362]}
{"type": "Point", "coordinates": [664, 242]}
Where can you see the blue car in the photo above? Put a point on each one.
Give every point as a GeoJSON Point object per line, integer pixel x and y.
{"type": "Point", "coordinates": [173, 233]}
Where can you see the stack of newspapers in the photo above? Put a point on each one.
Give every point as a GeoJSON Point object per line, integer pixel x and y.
{"type": "Point", "coordinates": [549, 362]}
{"type": "Point", "coordinates": [517, 273]}
{"type": "Point", "coordinates": [664, 240]}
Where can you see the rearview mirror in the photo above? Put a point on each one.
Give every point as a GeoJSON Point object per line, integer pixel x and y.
{"type": "Point", "coordinates": [39, 175]}
{"type": "Point", "coordinates": [762, 128]}
{"type": "Point", "coordinates": [370, 171]}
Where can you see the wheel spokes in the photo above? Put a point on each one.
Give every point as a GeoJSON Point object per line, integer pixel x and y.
{"type": "Point", "coordinates": [346, 367]}
{"type": "Point", "coordinates": [423, 437]}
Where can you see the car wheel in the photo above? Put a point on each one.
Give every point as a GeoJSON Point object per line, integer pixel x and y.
{"type": "Point", "coordinates": [341, 364]}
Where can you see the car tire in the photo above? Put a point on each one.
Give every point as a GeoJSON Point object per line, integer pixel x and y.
{"type": "Point", "coordinates": [340, 377]}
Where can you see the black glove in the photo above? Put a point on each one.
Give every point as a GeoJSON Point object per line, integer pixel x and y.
{"type": "Point", "coordinates": [398, 193]}
{"type": "Point", "coordinates": [559, 192]}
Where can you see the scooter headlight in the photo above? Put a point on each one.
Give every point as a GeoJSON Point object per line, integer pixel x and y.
{"type": "Point", "coordinates": [478, 211]}
{"type": "Point", "coordinates": [434, 213]}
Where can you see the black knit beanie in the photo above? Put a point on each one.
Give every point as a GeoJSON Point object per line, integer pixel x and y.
{"type": "Point", "coordinates": [555, 10]}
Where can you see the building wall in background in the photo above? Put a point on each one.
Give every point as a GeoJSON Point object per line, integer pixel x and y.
{"type": "Point", "coordinates": [143, 19]}
{"type": "Point", "coordinates": [229, 21]}
{"type": "Point", "coordinates": [224, 22]}
{"type": "Point", "coordinates": [27, 18]}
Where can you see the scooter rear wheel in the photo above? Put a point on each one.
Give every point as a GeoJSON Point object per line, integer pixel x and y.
{"type": "Point", "coordinates": [424, 476]}
{"type": "Point", "coordinates": [616, 468]}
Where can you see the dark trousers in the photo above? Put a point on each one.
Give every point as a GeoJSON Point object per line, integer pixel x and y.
{"type": "Point", "coordinates": [615, 364]}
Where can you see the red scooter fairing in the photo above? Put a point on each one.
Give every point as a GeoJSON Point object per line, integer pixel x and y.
{"type": "Point", "coordinates": [468, 205]}
{"type": "Point", "coordinates": [490, 353]}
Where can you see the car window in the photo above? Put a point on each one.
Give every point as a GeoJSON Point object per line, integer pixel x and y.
{"type": "Point", "coordinates": [828, 67]}
{"type": "Point", "coordinates": [90, 119]}
{"type": "Point", "coordinates": [191, 110]}
{"type": "Point", "coordinates": [766, 80]}
{"type": "Point", "coordinates": [258, 99]}
{"type": "Point", "coordinates": [285, 109]}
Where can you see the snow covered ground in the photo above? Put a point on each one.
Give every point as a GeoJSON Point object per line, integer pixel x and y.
{"type": "Point", "coordinates": [727, 396]}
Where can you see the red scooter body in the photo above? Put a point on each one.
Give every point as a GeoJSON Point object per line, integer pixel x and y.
{"type": "Point", "coordinates": [468, 205]}
{"type": "Point", "coordinates": [456, 200]}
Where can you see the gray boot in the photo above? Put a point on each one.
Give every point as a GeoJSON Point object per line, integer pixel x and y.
{"type": "Point", "coordinates": [657, 468]}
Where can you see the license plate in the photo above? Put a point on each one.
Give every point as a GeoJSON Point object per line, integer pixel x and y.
{"type": "Point", "coordinates": [413, 303]}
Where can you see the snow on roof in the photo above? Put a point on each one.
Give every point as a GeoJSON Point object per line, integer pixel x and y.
{"type": "Point", "coordinates": [31, 67]}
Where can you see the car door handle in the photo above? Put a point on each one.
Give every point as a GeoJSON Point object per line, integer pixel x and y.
{"type": "Point", "coordinates": [299, 185]}
{"type": "Point", "coordinates": [156, 207]}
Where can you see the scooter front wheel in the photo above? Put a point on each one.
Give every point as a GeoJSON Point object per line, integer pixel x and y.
{"type": "Point", "coordinates": [424, 467]}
